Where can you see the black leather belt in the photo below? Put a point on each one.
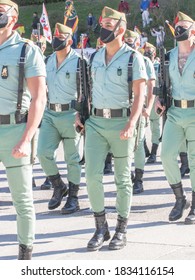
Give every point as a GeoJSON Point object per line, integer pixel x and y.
{"type": "Point", "coordinates": [112, 113]}
{"type": "Point", "coordinates": [184, 103]}
{"type": "Point", "coordinates": [59, 107]}
{"type": "Point", "coordinates": [11, 119]}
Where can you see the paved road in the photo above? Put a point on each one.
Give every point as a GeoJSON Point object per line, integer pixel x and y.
{"type": "Point", "coordinates": [59, 237]}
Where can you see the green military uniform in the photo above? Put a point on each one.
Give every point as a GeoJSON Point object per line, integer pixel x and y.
{"type": "Point", "coordinates": [19, 171]}
{"type": "Point", "coordinates": [180, 126]}
{"type": "Point", "coordinates": [110, 90]}
{"type": "Point", "coordinates": [154, 117]}
{"type": "Point", "coordinates": [139, 158]}
{"type": "Point", "coordinates": [59, 118]}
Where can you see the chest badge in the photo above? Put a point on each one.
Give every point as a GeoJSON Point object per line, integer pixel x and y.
{"type": "Point", "coordinates": [4, 72]}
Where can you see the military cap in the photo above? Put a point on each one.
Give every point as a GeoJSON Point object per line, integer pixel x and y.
{"type": "Point", "coordinates": [148, 45]}
{"type": "Point", "coordinates": [130, 33]}
{"type": "Point", "coordinates": [9, 3]}
{"type": "Point", "coordinates": [181, 16]}
{"type": "Point", "coordinates": [62, 29]}
{"type": "Point", "coordinates": [113, 14]}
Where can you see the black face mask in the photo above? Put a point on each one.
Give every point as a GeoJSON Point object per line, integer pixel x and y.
{"type": "Point", "coordinates": [181, 33]}
{"type": "Point", "coordinates": [132, 45]}
{"type": "Point", "coordinates": [3, 20]}
{"type": "Point", "coordinates": [107, 36]}
{"type": "Point", "coordinates": [58, 44]}
{"type": "Point", "coordinates": [148, 54]}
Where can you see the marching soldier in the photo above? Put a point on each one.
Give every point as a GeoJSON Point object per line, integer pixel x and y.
{"type": "Point", "coordinates": [22, 103]}
{"type": "Point", "coordinates": [58, 121]}
{"type": "Point", "coordinates": [133, 40]}
{"type": "Point", "coordinates": [111, 125]}
{"type": "Point", "coordinates": [180, 125]}
{"type": "Point", "coordinates": [150, 52]}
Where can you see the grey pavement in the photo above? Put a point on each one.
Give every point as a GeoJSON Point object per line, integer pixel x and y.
{"type": "Point", "coordinates": [64, 237]}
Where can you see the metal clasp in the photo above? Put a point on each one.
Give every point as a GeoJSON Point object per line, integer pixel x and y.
{"type": "Point", "coordinates": [107, 113]}
{"type": "Point", "coordinates": [58, 107]}
{"type": "Point", "coordinates": [184, 104]}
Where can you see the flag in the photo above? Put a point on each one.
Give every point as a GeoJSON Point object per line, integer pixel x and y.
{"type": "Point", "coordinates": [20, 28]}
{"type": "Point", "coordinates": [70, 16]}
{"type": "Point", "coordinates": [170, 27]}
{"type": "Point", "coordinates": [44, 20]}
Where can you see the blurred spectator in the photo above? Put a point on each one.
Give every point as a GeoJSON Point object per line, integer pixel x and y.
{"type": "Point", "coordinates": [143, 39]}
{"type": "Point", "coordinates": [159, 34]}
{"type": "Point", "coordinates": [123, 7]}
{"type": "Point", "coordinates": [91, 22]}
{"type": "Point", "coordinates": [144, 7]}
{"type": "Point", "coordinates": [36, 20]}
{"type": "Point", "coordinates": [154, 4]}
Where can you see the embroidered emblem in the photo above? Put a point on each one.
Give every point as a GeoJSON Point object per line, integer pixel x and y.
{"type": "Point", "coordinates": [4, 72]}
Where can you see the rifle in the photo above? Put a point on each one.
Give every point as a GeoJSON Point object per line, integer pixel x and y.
{"type": "Point", "coordinates": [38, 43]}
{"type": "Point", "coordinates": [83, 100]}
{"type": "Point", "coordinates": [164, 84]}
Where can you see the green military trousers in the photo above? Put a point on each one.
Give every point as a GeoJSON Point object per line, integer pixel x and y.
{"type": "Point", "coordinates": [19, 175]}
{"type": "Point", "coordinates": [103, 135]}
{"type": "Point", "coordinates": [139, 156]}
{"type": "Point", "coordinates": [179, 126]}
{"type": "Point", "coordinates": [57, 127]}
{"type": "Point", "coordinates": [154, 126]}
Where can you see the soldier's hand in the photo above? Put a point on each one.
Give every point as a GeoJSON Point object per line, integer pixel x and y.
{"type": "Point", "coordinates": [159, 107]}
{"type": "Point", "coordinates": [127, 132]}
{"type": "Point", "coordinates": [22, 149]}
{"type": "Point", "coordinates": [78, 124]}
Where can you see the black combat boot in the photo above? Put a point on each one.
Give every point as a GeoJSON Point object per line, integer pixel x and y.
{"type": "Point", "coordinates": [25, 252]}
{"type": "Point", "coordinates": [47, 185]}
{"type": "Point", "coordinates": [101, 234]}
{"type": "Point", "coordinates": [180, 204]}
{"type": "Point", "coordinates": [147, 152]}
{"type": "Point", "coordinates": [190, 220]}
{"type": "Point", "coordinates": [108, 164]}
{"type": "Point", "coordinates": [72, 204]}
{"type": "Point", "coordinates": [138, 183]}
{"type": "Point", "coordinates": [60, 190]}
{"type": "Point", "coordinates": [152, 157]}
{"type": "Point", "coordinates": [119, 239]}
{"type": "Point", "coordinates": [184, 168]}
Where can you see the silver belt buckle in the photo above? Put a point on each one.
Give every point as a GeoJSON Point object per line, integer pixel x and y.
{"type": "Point", "coordinates": [184, 104]}
{"type": "Point", "coordinates": [107, 113]}
{"type": "Point", "coordinates": [58, 107]}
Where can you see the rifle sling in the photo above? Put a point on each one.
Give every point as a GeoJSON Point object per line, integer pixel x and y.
{"type": "Point", "coordinates": [21, 81]}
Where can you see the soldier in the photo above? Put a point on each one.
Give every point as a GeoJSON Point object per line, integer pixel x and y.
{"type": "Point", "coordinates": [110, 127]}
{"type": "Point", "coordinates": [133, 40]}
{"type": "Point", "coordinates": [22, 102]}
{"type": "Point", "coordinates": [180, 125]}
{"type": "Point", "coordinates": [58, 121]}
{"type": "Point", "coordinates": [150, 51]}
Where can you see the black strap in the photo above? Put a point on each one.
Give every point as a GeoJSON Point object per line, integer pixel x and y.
{"type": "Point", "coordinates": [78, 79]}
{"type": "Point", "coordinates": [130, 76]}
{"type": "Point", "coordinates": [21, 81]}
{"type": "Point", "coordinates": [167, 77]}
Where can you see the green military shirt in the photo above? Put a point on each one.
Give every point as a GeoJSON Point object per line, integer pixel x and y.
{"type": "Point", "coordinates": [110, 85]}
{"type": "Point", "coordinates": [150, 69]}
{"type": "Point", "coordinates": [183, 86]}
{"type": "Point", "coordinates": [9, 58]}
{"type": "Point", "coordinates": [61, 82]}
